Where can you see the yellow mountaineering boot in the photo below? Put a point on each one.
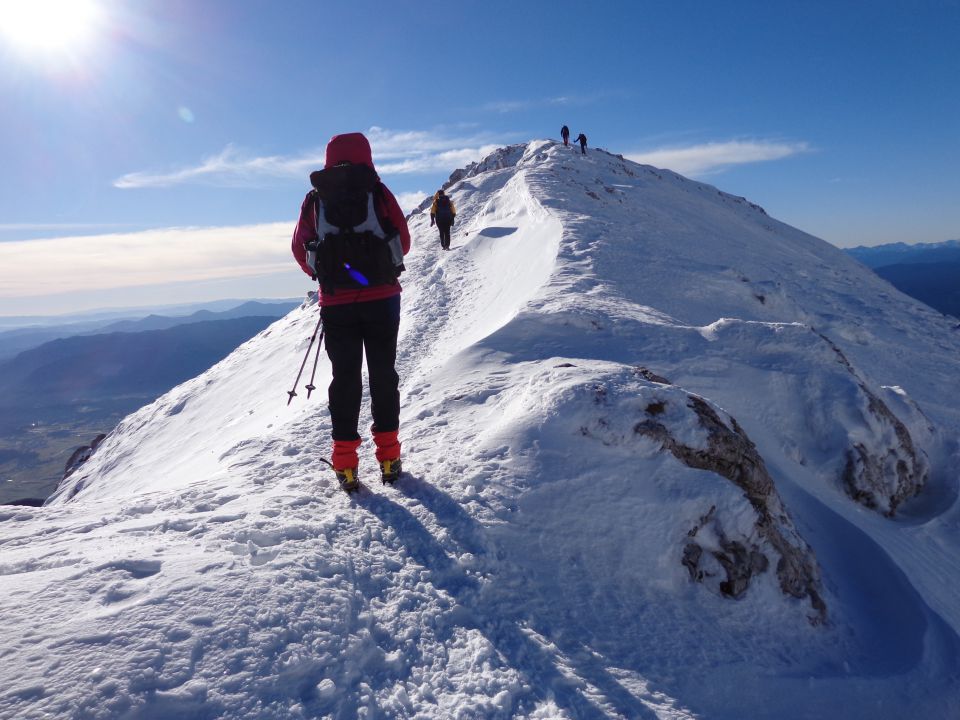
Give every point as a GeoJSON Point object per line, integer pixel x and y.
{"type": "Point", "coordinates": [390, 470]}
{"type": "Point", "coordinates": [348, 479]}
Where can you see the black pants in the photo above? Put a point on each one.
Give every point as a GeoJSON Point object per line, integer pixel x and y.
{"type": "Point", "coordinates": [583, 149]}
{"type": "Point", "coordinates": [349, 330]}
{"type": "Point", "coordinates": [444, 228]}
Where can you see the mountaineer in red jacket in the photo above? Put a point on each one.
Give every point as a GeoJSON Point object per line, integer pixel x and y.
{"type": "Point", "coordinates": [356, 255]}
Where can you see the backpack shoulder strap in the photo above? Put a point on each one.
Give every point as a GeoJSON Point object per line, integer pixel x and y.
{"type": "Point", "coordinates": [380, 207]}
{"type": "Point", "coordinates": [313, 197]}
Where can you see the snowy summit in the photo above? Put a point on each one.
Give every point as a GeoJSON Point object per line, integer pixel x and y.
{"type": "Point", "coordinates": [666, 457]}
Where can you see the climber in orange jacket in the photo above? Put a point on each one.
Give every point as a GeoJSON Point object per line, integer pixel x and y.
{"type": "Point", "coordinates": [443, 213]}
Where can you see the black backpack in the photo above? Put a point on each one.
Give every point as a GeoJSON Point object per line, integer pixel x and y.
{"type": "Point", "coordinates": [444, 211]}
{"type": "Point", "coordinates": [355, 248]}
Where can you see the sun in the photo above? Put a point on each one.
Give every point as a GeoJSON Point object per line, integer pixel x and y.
{"type": "Point", "coordinates": [48, 26]}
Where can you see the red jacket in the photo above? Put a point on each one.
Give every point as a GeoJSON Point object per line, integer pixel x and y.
{"type": "Point", "coordinates": [354, 148]}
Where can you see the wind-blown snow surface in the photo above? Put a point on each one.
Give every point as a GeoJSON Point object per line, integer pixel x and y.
{"type": "Point", "coordinates": [530, 564]}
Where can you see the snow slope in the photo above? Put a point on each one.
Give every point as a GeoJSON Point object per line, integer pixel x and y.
{"type": "Point", "coordinates": [626, 397]}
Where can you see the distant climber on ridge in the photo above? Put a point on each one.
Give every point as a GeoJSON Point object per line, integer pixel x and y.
{"type": "Point", "coordinates": [582, 139]}
{"type": "Point", "coordinates": [443, 213]}
{"type": "Point", "coordinates": [565, 134]}
{"type": "Point", "coordinates": [351, 237]}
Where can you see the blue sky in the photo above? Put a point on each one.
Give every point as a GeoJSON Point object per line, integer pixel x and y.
{"type": "Point", "coordinates": [842, 119]}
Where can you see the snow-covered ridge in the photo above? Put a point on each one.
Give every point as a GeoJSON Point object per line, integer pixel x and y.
{"type": "Point", "coordinates": [651, 434]}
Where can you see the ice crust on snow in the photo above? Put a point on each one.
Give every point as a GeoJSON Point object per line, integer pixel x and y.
{"type": "Point", "coordinates": [201, 563]}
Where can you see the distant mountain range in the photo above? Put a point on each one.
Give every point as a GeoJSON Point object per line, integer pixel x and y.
{"type": "Point", "coordinates": [139, 364]}
{"type": "Point", "coordinates": [104, 316]}
{"type": "Point", "coordinates": [902, 253]}
{"type": "Point", "coordinates": [252, 308]}
{"type": "Point", "coordinates": [40, 330]}
{"type": "Point", "coordinates": [59, 394]}
{"type": "Point", "coordinates": [929, 272]}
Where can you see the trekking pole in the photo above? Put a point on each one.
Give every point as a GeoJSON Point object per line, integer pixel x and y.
{"type": "Point", "coordinates": [316, 358]}
{"type": "Point", "coordinates": [293, 393]}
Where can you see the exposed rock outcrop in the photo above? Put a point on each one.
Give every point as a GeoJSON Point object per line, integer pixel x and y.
{"type": "Point", "coordinates": [739, 557]}
{"type": "Point", "coordinates": [886, 468]}
{"type": "Point", "coordinates": [497, 160]}
{"type": "Point", "coordinates": [883, 480]}
{"type": "Point", "coordinates": [81, 455]}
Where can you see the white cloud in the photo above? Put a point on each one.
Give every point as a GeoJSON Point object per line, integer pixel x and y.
{"type": "Point", "coordinates": [409, 200]}
{"type": "Point", "coordinates": [392, 144]}
{"type": "Point", "coordinates": [230, 167]}
{"type": "Point", "coordinates": [446, 161]}
{"type": "Point", "coordinates": [508, 106]}
{"type": "Point", "coordinates": [394, 153]}
{"type": "Point", "coordinates": [707, 158]}
{"type": "Point", "coordinates": [63, 227]}
{"type": "Point", "coordinates": [33, 268]}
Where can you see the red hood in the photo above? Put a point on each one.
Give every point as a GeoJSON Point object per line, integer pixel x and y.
{"type": "Point", "coordinates": [350, 147]}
